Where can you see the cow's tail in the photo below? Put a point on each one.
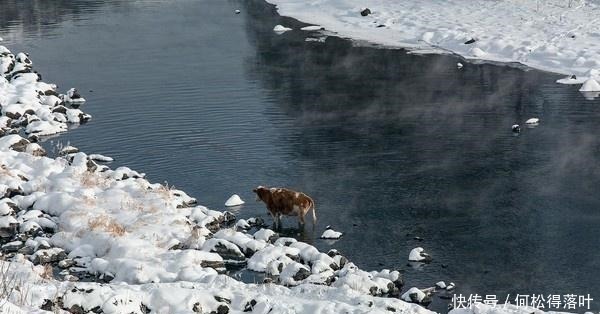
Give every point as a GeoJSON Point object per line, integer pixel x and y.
{"type": "Point", "coordinates": [314, 215]}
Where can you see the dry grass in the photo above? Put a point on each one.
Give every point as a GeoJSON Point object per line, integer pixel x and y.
{"type": "Point", "coordinates": [12, 288]}
{"type": "Point", "coordinates": [47, 273]}
{"type": "Point", "coordinates": [93, 179]}
{"type": "Point", "coordinates": [165, 192]}
{"type": "Point", "coordinates": [107, 224]}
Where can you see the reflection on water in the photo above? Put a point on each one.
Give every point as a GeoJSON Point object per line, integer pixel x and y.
{"type": "Point", "coordinates": [391, 146]}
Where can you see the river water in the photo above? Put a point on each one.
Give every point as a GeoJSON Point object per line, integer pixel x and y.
{"type": "Point", "coordinates": [392, 146]}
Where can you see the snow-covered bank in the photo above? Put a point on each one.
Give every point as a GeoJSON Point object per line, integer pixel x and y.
{"type": "Point", "coordinates": [142, 247]}
{"type": "Point", "coordinates": [547, 35]}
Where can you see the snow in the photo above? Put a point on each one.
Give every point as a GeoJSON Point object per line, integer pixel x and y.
{"type": "Point", "coordinates": [331, 234]}
{"type": "Point", "coordinates": [420, 295]}
{"type": "Point", "coordinates": [234, 200]}
{"type": "Point", "coordinates": [590, 85]}
{"type": "Point", "coordinates": [532, 121]}
{"type": "Point", "coordinates": [312, 28]}
{"type": "Point", "coordinates": [280, 29]}
{"type": "Point", "coordinates": [546, 35]}
{"type": "Point", "coordinates": [100, 157]}
{"type": "Point", "coordinates": [418, 255]}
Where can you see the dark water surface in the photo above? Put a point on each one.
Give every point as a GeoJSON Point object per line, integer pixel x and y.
{"type": "Point", "coordinates": [391, 146]}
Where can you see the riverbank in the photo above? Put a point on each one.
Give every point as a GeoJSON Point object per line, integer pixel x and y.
{"type": "Point", "coordinates": [554, 36]}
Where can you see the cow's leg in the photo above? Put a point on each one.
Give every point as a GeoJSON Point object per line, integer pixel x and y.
{"type": "Point", "coordinates": [274, 216]}
{"type": "Point", "coordinates": [301, 220]}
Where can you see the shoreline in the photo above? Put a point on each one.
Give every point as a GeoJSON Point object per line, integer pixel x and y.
{"type": "Point", "coordinates": [383, 28]}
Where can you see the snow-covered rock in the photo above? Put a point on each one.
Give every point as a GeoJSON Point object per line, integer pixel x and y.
{"type": "Point", "coordinates": [415, 295]}
{"type": "Point", "coordinates": [234, 200]}
{"type": "Point", "coordinates": [532, 121]}
{"type": "Point", "coordinates": [331, 234]}
{"type": "Point", "coordinates": [591, 85]}
{"type": "Point", "coordinates": [418, 255]}
{"type": "Point", "coordinates": [280, 29]}
{"type": "Point", "coordinates": [312, 28]}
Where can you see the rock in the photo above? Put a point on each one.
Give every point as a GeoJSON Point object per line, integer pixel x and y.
{"type": "Point", "coordinates": [92, 166]}
{"type": "Point", "coordinates": [33, 138]}
{"type": "Point", "coordinates": [12, 115]}
{"type": "Point", "coordinates": [340, 260]}
{"type": "Point", "coordinates": [7, 207]}
{"type": "Point", "coordinates": [441, 285]}
{"type": "Point", "coordinates": [234, 200]}
{"type": "Point", "coordinates": [66, 263]}
{"type": "Point", "coordinates": [222, 309]}
{"type": "Point", "coordinates": [68, 150]}
{"type": "Point", "coordinates": [107, 277]}
{"type": "Point", "coordinates": [76, 309]}
{"type": "Point", "coordinates": [197, 308]}
{"type": "Point", "coordinates": [301, 274]}
{"type": "Point", "coordinates": [48, 305]}
{"type": "Point", "coordinates": [256, 222]}
{"type": "Point", "coordinates": [222, 299]}
{"type": "Point", "coordinates": [281, 29]}
{"type": "Point", "coordinates": [8, 226]}
{"type": "Point", "coordinates": [237, 11]}
{"type": "Point", "coordinates": [274, 268]}
{"type": "Point", "coordinates": [331, 234]}
{"type": "Point", "coordinates": [450, 286]}
{"type": "Point", "coordinates": [532, 121]}
{"type": "Point", "coordinates": [227, 250]}
{"type": "Point", "coordinates": [415, 295]}
{"type": "Point", "coordinates": [52, 255]}
{"type": "Point", "coordinates": [10, 192]}
{"type": "Point", "coordinates": [12, 247]}
{"type": "Point", "coordinates": [516, 128]}
{"type": "Point", "coordinates": [249, 305]}
{"type": "Point", "coordinates": [590, 85]}
{"type": "Point", "coordinates": [26, 250]}
{"type": "Point", "coordinates": [35, 149]}
{"type": "Point", "coordinates": [418, 255]}
{"type": "Point", "coordinates": [365, 12]}
{"type": "Point", "coordinates": [459, 65]}
{"type": "Point", "coordinates": [242, 224]}
{"type": "Point", "coordinates": [333, 252]}
{"type": "Point", "coordinates": [60, 109]}
{"type": "Point", "coordinates": [470, 41]}
{"type": "Point", "coordinates": [71, 278]}
{"type": "Point", "coordinates": [228, 217]}
{"type": "Point", "coordinates": [266, 235]}
{"type": "Point", "coordinates": [20, 146]}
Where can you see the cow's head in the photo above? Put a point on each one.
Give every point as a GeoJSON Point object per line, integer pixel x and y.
{"type": "Point", "coordinates": [260, 191]}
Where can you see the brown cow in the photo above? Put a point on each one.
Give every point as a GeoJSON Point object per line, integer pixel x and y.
{"type": "Point", "coordinates": [281, 201]}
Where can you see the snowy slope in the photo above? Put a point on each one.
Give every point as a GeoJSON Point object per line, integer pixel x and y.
{"type": "Point", "coordinates": [547, 35]}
